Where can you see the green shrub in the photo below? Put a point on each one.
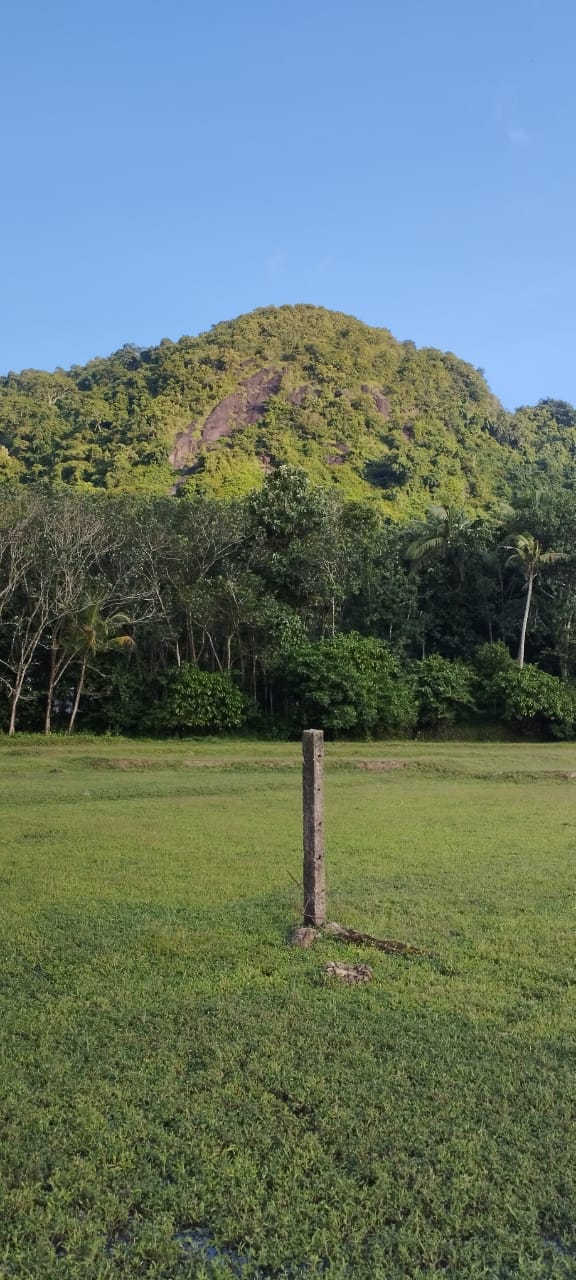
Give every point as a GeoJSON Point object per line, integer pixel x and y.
{"type": "Point", "coordinates": [348, 683]}
{"type": "Point", "coordinates": [200, 700]}
{"type": "Point", "coordinates": [534, 700]}
{"type": "Point", "coordinates": [492, 659]}
{"type": "Point", "coordinates": [443, 689]}
{"type": "Point", "coordinates": [529, 699]}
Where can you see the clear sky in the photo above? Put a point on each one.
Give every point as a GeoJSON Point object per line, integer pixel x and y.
{"type": "Point", "coordinates": [168, 165]}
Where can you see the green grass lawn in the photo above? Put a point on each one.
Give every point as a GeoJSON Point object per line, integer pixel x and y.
{"type": "Point", "coordinates": [169, 1065]}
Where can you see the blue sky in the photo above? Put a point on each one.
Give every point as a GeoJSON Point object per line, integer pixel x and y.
{"type": "Point", "coordinates": [165, 166]}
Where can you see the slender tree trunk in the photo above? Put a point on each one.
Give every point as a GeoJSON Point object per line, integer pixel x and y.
{"type": "Point", "coordinates": [178, 657]}
{"type": "Point", "coordinates": [51, 684]}
{"type": "Point", "coordinates": [522, 645]}
{"type": "Point", "coordinates": [215, 657]}
{"type": "Point", "coordinates": [14, 704]}
{"type": "Point", "coordinates": [241, 661]}
{"type": "Point", "coordinates": [191, 642]}
{"type": "Point", "coordinates": [78, 694]}
{"type": "Point", "coordinates": [564, 657]}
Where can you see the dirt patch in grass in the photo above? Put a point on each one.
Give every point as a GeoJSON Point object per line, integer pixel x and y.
{"type": "Point", "coordinates": [123, 763]}
{"type": "Point", "coordinates": [382, 766]}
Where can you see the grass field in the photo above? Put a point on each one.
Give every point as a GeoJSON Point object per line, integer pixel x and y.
{"type": "Point", "coordinates": [180, 1092]}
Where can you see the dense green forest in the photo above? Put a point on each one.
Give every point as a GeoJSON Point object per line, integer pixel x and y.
{"type": "Point", "coordinates": [292, 519]}
{"type": "Point", "coordinates": [358, 411]}
{"type": "Point", "coordinates": [288, 607]}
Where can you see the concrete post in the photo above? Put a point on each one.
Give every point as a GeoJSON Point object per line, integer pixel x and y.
{"type": "Point", "coordinates": [313, 803]}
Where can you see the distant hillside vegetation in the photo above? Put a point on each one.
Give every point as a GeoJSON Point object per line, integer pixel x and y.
{"type": "Point", "coordinates": [294, 384]}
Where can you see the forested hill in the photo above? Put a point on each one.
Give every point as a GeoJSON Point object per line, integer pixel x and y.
{"type": "Point", "coordinates": [296, 384]}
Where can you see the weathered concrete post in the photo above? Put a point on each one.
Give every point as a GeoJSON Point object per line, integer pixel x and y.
{"type": "Point", "coordinates": [313, 799]}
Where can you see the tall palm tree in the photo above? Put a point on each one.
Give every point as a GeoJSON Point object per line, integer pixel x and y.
{"type": "Point", "coordinates": [529, 553]}
{"type": "Point", "coordinates": [92, 633]}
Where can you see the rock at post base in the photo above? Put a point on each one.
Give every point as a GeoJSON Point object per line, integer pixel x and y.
{"type": "Point", "coordinates": [303, 936]}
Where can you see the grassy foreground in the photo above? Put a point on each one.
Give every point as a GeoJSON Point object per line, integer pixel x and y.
{"type": "Point", "coordinates": [181, 1095]}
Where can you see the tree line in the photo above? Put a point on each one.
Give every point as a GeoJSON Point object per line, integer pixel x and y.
{"type": "Point", "coordinates": [291, 606]}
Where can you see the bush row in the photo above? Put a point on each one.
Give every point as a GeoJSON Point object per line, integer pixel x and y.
{"type": "Point", "coordinates": [353, 685]}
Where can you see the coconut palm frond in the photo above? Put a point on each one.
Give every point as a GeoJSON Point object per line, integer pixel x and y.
{"type": "Point", "coordinates": [527, 551]}
{"type": "Point", "coordinates": [421, 548]}
{"type": "Point", "coordinates": [442, 532]}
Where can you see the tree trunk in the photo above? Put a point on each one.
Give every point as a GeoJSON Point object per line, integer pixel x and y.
{"type": "Point", "coordinates": [14, 706]}
{"type": "Point", "coordinates": [191, 643]}
{"type": "Point", "coordinates": [564, 658]}
{"type": "Point", "coordinates": [78, 695]}
{"type": "Point", "coordinates": [215, 659]}
{"type": "Point", "coordinates": [52, 682]}
{"type": "Point", "coordinates": [522, 645]}
{"type": "Point", "coordinates": [241, 661]}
